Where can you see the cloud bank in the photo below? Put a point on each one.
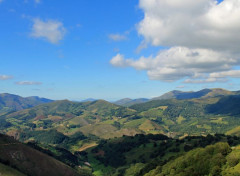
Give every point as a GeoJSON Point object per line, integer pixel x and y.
{"type": "Point", "coordinates": [202, 37]}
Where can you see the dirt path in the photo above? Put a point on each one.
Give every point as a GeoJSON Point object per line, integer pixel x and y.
{"type": "Point", "coordinates": [85, 147]}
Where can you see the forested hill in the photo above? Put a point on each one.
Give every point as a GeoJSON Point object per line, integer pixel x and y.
{"type": "Point", "coordinates": [228, 105]}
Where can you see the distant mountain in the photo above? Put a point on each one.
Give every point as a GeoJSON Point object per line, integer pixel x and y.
{"type": "Point", "coordinates": [89, 99]}
{"type": "Point", "coordinates": [10, 102]}
{"type": "Point", "coordinates": [129, 102]}
{"type": "Point", "coordinates": [205, 93]}
{"type": "Point", "coordinates": [123, 101]}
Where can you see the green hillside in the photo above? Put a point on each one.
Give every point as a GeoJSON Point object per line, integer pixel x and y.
{"type": "Point", "coordinates": [228, 105]}
{"type": "Point", "coordinates": [29, 161]}
{"type": "Point", "coordinates": [215, 160]}
{"type": "Point", "coordinates": [142, 154]}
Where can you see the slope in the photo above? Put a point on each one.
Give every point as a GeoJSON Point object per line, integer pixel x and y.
{"type": "Point", "coordinates": [30, 161]}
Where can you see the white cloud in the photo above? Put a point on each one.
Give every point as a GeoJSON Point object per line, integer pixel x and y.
{"type": "Point", "coordinates": [28, 83]}
{"type": "Point", "coordinates": [50, 30]}
{"type": "Point", "coordinates": [180, 62]}
{"type": "Point", "coordinates": [202, 37]}
{"type": "Point", "coordinates": [199, 24]}
{"type": "Point", "coordinates": [231, 73]}
{"type": "Point", "coordinates": [5, 77]}
{"type": "Point", "coordinates": [118, 61]}
{"type": "Point", "coordinates": [117, 37]}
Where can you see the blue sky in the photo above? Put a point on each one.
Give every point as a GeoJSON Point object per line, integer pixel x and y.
{"type": "Point", "coordinates": [90, 48]}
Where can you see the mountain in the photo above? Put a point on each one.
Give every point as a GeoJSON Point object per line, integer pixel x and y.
{"type": "Point", "coordinates": [10, 102]}
{"type": "Point", "coordinates": [123, 101]}
{"type": "Point", "coordinates": [17, 157]}
{"type": "Point", "coordinates": [129, 102]}
{"type": "Point", "coordinates": [205, 93]}
{"type": "Point", "coordinates": [89, 99]}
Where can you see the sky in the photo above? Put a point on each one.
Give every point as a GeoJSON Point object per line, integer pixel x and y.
{"type": "Point", "coordinates": [116, 49]}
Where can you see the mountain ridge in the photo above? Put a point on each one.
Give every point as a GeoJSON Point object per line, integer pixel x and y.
{"type": "Point", "coordinates": [11, 102]}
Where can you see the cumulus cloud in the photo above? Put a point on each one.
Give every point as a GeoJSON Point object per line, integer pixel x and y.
{"type": "Point", "coordinates": [5, 77]}
{"type": "Point", "coordinates": [50, 30]}
{"type": "Point", "coordinates": [181, 62]}
{"type": "Point", "coordinates": [28, 83]}
{"type": "Point", "coordinates": [117, 37]}
{"type": "Point", "coordinates": [202, 37]}
{"type": "Point", "coordinates": [202, 23]}
{"type": "Point", "coordinates": [119, 61]}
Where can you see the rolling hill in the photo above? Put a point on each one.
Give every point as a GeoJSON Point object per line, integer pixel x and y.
{"type": "Point", "coordinates": [172, 117]}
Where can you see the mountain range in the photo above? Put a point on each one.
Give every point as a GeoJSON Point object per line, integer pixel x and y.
{"type": "Point", "coordinates": [179, 95]}
{"type": "Point", "coordinates": [143, 136]}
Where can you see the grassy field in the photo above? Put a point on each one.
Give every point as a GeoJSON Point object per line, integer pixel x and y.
{"type": "Point", "coordinates": [234, 131]}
